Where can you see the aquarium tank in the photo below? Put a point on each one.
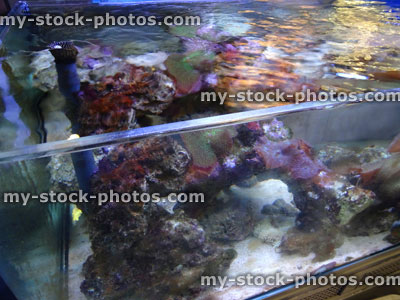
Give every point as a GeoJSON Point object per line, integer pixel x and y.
{"type": "Point", "coordinates": [208, 142]}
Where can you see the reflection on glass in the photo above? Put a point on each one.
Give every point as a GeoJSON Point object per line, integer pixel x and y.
{"type": "Point", "coordinates": [134, 76]}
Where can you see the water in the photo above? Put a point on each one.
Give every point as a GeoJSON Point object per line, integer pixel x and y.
{"type": "Point", "coordinates": [272, 203]}
{"type": "Point", "coordinates": [320, 45]}
{"type": "Point", "coordinates": [12, 112]}
{"type": "Point", "coordinates": [294, 194]}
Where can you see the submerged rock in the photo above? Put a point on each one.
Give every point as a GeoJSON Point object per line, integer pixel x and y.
{"type": "Point", "coordinates": [248, 134]}
{"type": "Point", "coordinates": [271, 234]}
{"type": "Point", "coordinates": [230, 224]}
{"type": "Point", "coordinates": [321, 242]}
{"type": "Point", "coordinates": [264, 194]}
{"type": "Point", "coordinates": [153, 165]}
{"type": "Point", "coordinates": [280, 212]}
{"type": "Point", "coordinates": [168, 204]}
{"type": "Point", "coordinates": [44, 71]}
{"type": "Point", "coordinates": [103, 114]}
{"type": "Point", "coordinates": [112, 104]}
{"type": "Point", "coordinates": [332, 196]}
{"type": "Point", "coordinates": [373, 221]}
{"type": "Point", "coordinates": [32, 70]}
{"type": "Point", "coordinates": [42, 60]}
{"type": "Point", "coordinates": [148, 249]}
{"type": "Point", "coordinates": [344, 160]}
{"type": "Point", "coordinates": [276, 131]}
{"type": "Point", "coordinates": [166, 256]}
{"type": "Point", "coordinates": [388, 180]}
{"type": "Point", "coordinates": [62, 174]}
{"type": "Point", "coordinates": [383, 175]}
{"type": "Point", "coordinates": [56, 123]}
{"type": "Point", "coordinates": [394, 236]}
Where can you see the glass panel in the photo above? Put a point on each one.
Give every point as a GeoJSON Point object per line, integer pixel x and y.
{"type": "Point", "coordinates": [31, 240]}
{"type": "Point", "coordinates": [287, 195]}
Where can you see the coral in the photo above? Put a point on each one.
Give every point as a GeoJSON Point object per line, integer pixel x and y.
{"type": "Point", "coordinates": [201, 59]}
{"type": "Point", "coordinates": [324, 198]}
{"type": "Point", "coordinates": [292, 156]}
{"type": "Point", "coordinates": [208, 149]}
{"type": "Point", "coordinates": [105, 113]}
{"type": "Point", "coordinates": [211, 33]}
{"type": "Point", "coordinates": [188, 80]}
{"type": "Point", "coordinates": [220, 140]}
{"type": "Point", "coordinates": [162, 41]}
{"type": "Point", "coordinates": [94, 56]}
{"type": "Point", "coordinates": [276, 131]}
{"type": "Point", "coordinates": [17, 66]}
{"type": "Point", "coordinates": [92, 70]}
{"type": "Point", "coordinates": [189, 69]}
{"type": "Point", "coordinates": [111, 104]}
{"type": "Point", "coordinates": [157, 165]}
{"type": "Point", "coordinates": [151, 250]}
{"type": "Point", "coordinates": [320, 192]}
{"type": "Point", "coordinates": [146, 249]}
{"type": "Point", "coordinates": [157, 95]}
{"type": "Point", "coordinates": [63, 176]}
